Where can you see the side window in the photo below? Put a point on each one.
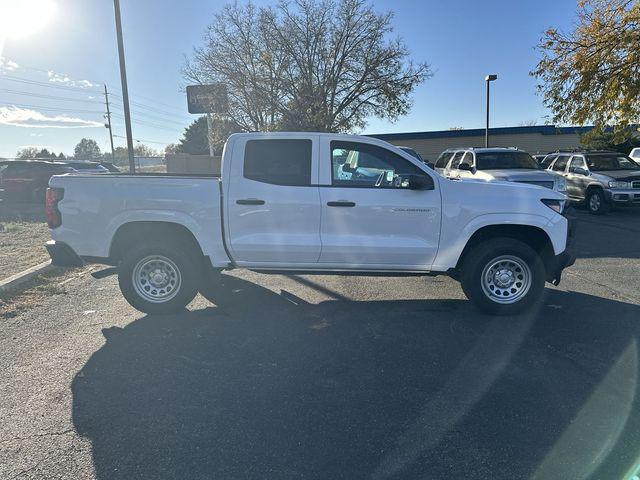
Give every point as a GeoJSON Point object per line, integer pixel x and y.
{"type": "Point", "coordinates": [363, 165]}
{"type": "Point", "coordinates": [278, 162]}
{"type": "Point", "coordinates": [443, 159]}
{"type": "Point", "coordinates": [456, 159]}
{"type": "Point", "coordinates": [577, 162]}
{"type": "Point", "coordinates": [467, 159]}
{"type": "Point", "coordinates": [560, 164]}
{"type": "Point", "coordinates": [548, 160]}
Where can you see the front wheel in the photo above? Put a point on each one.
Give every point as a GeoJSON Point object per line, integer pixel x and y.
{"type": "Point", "coordinates": [158, 278]}
{"type": "Point", "coordinates": [503, 276]}
{"type": "Point", "coordinates": [596, 203]}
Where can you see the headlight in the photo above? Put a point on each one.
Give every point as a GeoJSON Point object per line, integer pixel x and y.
{"type": "Point", "coordinates": [616, 184]}
{"type": "Point", "coordinates": [561, 184]}
{"type": "Point", "coordinates": [555, 205]}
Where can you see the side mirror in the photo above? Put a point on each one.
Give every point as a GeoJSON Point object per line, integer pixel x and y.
{"type": "Point", "coordinates": [465, 167]}
{"type": "Point", "coordinates": [420, 182]}
{"type": "Point", "coordinates": [581, 171]}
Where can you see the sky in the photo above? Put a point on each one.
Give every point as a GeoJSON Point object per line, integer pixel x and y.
{"type": "Point", "coordinates": [56, 61]}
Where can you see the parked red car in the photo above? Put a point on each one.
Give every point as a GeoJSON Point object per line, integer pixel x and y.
{"type": "Point", "coordinates": [27, 180]}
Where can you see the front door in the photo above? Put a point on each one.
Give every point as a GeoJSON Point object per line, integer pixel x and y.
{"type": "Point", "coordinates": [273, 201]}
{"type": "Point", "coordinates": [369, 216]}
{"type": "Point", "coordinates": [577, 181]}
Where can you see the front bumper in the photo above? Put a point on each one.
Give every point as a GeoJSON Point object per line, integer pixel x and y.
{"type": "Point", "coordinates": [623, 196]}
{"type": "Point", "coordinates": [62, 255]}
{"type": "Point", "coordinates": [563, 260]}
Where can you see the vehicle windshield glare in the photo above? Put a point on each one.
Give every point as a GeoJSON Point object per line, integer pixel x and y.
{"type": "Point", "coordinates": [505, 160]}
{"type": "Point", "coordinates": [599, 163]}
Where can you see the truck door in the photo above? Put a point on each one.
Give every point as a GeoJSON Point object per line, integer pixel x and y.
{"type": "Point", "coordinates": [273, 201]}
{"type": "Point", "coordinates": [370, 218]}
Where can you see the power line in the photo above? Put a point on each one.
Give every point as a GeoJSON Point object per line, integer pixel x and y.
{"type": "Point", "coordinates": [156, 110]}
{"type": "Point", "coordinates": [173, 107]}
{"type": "Point", "coordinates": [54, 109]}
{"type": "Point", "coordinates": [52, 97]}
{"type": "Point", "coordinates": [143, 140]}
{"type": "Point", "coordinates": [27, 81]}
{"type": "Point", "coordinates": [145, 115]}
{"type": "Point", "coordinates": [148, 124]}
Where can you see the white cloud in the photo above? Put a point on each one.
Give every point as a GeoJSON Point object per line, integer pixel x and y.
{"type": "Point", "coordinates": [22, 117]}
{"type": "Point", "coordinates": [66, 80]}
{"type": "Point", "coordinates": [7, 65]}
{"type": "Point", "coordinates": [36, 134]}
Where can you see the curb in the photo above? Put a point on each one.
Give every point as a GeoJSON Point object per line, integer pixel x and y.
{"type": "Point", "coordinates": [19, 278]}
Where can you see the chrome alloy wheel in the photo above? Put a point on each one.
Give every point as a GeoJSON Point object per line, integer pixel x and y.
{"type": "Point", "coordinates": [594, 202]}
{"type": "Point", "coordinates": [506, 279]}
{"type": "Point", "coordinates": [156, 279]}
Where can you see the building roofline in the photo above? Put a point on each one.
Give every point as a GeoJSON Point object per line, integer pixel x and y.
{"type": "Point", "coordinates": [478, 132]}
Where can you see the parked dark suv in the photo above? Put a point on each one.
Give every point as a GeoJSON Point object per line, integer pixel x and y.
{"type": "Point", "coordinates": [27, 180]}
{"type": "Point", "coordinates": [599, 179]}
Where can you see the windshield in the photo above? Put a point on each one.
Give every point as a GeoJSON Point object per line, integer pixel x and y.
{"type": "Point", "coordinates": [611, 162]}
{"type": "Point", "coordinates": [505, 160]}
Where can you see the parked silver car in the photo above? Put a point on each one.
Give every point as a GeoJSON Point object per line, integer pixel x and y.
{"type": "Point", "coordinates": [497, 164]}
{"type": "Point", "coordinates": [599, 179]}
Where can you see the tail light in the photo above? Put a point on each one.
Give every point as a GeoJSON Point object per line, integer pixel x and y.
{"type": "Point", "coordinates": [53, 196]}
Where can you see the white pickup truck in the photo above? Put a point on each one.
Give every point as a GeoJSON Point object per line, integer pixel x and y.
{"type": "Point", "coordinates": [292, 202]}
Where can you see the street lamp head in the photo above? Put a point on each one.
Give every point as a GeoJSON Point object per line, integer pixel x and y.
{"type": "Point", "coordinates": [491, 78]}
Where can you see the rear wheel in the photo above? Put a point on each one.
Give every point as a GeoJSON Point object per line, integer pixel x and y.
{"type": "Point", "coordinates": [158, 278]}
{"type": "Point", "coordinates": [503, 276]}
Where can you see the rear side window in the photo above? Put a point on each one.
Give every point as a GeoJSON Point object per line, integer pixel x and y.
{"type": "Point", "coordinates": [279, 162]}
{"type": "Point", "coordinates": [560, 164]}
{"type": "Point", "coordinates": [456, 160]}
{"type": "Point", "coordinates": [548, 160]}
{"type": "Point", "coordinates": [443, 159]}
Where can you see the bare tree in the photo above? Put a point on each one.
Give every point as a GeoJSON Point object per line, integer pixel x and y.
{"type": "Point", "coordinates": [324, 65]}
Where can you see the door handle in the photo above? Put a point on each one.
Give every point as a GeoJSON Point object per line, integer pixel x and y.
{"type": "Point", "coordinates": [341, 203]}
{"type": "Point", "coordinates": [250, 201]}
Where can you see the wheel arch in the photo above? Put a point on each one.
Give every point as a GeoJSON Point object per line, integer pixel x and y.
{"type": "Point", "coordinates": [531, 235]}
{"type": "Point", "coordinates": [134, 232]}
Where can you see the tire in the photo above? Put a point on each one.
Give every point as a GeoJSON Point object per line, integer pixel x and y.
{"type": "Point", "coordinates": [176, 281]}
{"type": "Point", "coordinates": [596, 202]}
{"type": "Point", "coordinates": [518, 289]}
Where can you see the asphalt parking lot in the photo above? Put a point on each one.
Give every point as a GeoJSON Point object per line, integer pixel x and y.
{"type": "Point", "coordinates": [327, 377]}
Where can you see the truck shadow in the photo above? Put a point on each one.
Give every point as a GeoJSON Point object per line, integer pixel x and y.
{"type": "Point", "coordinates": [269, 386]}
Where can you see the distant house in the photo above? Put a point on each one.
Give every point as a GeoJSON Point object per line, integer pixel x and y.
{"type": "Point", "coordinates": [534, 139]}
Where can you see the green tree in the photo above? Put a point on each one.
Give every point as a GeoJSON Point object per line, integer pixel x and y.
{"type": "Point", "coordinates": [87, 149]}
{"type": "Point", "coordinates": [599, 139]}
{"type": "Point", "coordinates": [194, 140]}
{"type": "Point", "coordinates": [27, 153]}
{"type": "Point", "coordinates": [322, 65]}
{"type": "Point", "coordinates": [591, 73]}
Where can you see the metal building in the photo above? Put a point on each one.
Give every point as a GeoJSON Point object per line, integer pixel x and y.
{"type": "Point", "coordinates": [535, 139]}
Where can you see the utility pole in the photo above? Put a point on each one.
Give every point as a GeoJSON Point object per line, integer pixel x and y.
{"type": "Point", "coordinates": [125, 90]}
{"type": "Point", "coordinates": [108, 125]}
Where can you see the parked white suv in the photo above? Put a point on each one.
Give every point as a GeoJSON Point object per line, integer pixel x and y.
{"type": "Point", "coordinates": [497, 164]}
{"type": "Point", "coordinates": [310, 202]}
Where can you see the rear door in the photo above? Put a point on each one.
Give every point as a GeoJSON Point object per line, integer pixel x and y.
{"type": "Point", "coordinates": [273, 200]}
{"type": "Point", "coordinates": [371, 220]}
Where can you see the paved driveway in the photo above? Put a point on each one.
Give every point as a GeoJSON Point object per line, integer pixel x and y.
{"type": "Point", "coordinates": [327, 377]}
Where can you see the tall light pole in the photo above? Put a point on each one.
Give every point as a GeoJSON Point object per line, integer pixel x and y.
{"type": "Point", "coordinates": [488, 79]}
{"type": "Point", "coordinates": [125, 90]}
